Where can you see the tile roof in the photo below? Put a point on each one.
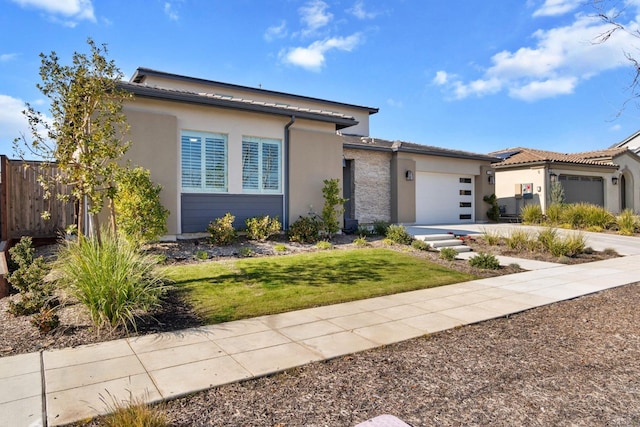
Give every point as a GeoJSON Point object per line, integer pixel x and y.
{"type": "Point", "coordinates": [143, 90]}
{"type": "Point", "coordinates": [523, 156]}
{"type": "Point", "coordinates": [361, 142]}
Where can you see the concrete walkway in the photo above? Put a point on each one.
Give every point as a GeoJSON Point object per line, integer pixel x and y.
{"type": "Point", "coordinates": [62, 386]}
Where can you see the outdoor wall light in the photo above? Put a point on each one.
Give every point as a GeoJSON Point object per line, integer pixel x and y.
{"type": "Point", "coordinates": [553, 177]}
{"type": "Point", "coordinates": [614, 180]}
{"type": "Point", "coordinates": [409, 175]}
{"type": "Point", "coordinates": [491, 179]}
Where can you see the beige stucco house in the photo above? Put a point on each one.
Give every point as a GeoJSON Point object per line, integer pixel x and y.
{"type": "Point", "coordinates": [218, 147]}
{"type": "Point", "coordinates": [608, 178]}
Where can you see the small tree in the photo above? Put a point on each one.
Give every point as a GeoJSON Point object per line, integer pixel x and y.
{"type": "Point", "coordinates": [333, 206]}
{"type": "Point", "coordinates": [556, 193]}
{"type": "Point", "coordinates": [494, 211]}
{"type": "Point", "coordinates": [139, 214]}
{"type": "Point", "coordinates": [85, 134]}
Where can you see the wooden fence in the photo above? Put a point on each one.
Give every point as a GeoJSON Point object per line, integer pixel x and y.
{"type": "Point", "coordinates": [22, 201]}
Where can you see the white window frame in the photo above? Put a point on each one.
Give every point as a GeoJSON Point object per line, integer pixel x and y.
{"type": "Point", "coordinates": [205, 157]}
{"type": "Point", "coordinates": [262, 184]}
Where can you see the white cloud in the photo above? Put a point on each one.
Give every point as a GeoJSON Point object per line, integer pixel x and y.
{"type": "Point", "coordinates": [170, 11]}
{"type": "Point", "coordinates": [559, 60]}
{"type": "Point", "coordinates": [358, 10]}
{"type": "Point", "coordinates": [314, 16]}
{"type": "Point", "coordinates": [557, 7]}
{"type": "Point", "coordinates": [313, 56]}
{"type": "Point", "coordinates": [73, 9]}
{"type": "Point", "coordinates": [12, 121]}
{"type": "Point", "coordinates": [394, 103]}
{"type": "Point", "coordinates": [6, 57]}
{"type": "Point", "coordinates": [276, 32]}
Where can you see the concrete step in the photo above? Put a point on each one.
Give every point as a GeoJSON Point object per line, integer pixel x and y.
{"type": "Point", "coordinates": [459, 248]}
{"type": "Point", "coordinates": [432, 237]}
{"type": "Point", "coordinates": [442, 243]}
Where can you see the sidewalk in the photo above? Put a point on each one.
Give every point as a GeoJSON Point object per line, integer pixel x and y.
{"type": "Point", "coordinates": [163, 366]}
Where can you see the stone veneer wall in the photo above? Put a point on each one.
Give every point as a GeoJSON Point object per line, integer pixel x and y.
{"type": "Point", "coordinates": [372, 182]}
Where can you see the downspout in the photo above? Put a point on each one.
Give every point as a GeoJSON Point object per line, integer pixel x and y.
{"type": "Point", "coordinates": [285, 200]}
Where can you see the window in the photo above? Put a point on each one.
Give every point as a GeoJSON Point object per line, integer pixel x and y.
{"type": "Point", "coordinates": [465, 180]}
{"type": "Point", "coordinates": [465, 216]}
{"type": "Point", "coordinates": [465, 204]}
{"type": "Point", "coordinates": [203, 161]}
{"type": "Point", "coordinates": [465, 192]}
{"type": "Point", "coordinates": [261, 165]}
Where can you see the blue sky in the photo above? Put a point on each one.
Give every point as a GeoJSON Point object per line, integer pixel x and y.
{"type": "Point", "coordinates": [460, 74]}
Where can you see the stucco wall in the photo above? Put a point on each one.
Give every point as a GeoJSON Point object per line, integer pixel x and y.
{"type": "Point", "coordinates": [505, 188]}
{"type": "Point", "coordinates": [630, 169]}
{"type": "Point", "coordinates": [314, 157]}
{"type": "Point", "coordinates": [372, 184]}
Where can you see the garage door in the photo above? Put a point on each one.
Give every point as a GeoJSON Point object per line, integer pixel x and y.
{"type": "Point", "coordinates": [587, 189]}
{"type": "Point", "coordinates": [444, 198]}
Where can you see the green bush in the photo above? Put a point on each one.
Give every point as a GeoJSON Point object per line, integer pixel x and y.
{"type": "Point", "coordinates": [221, 230]}
{"type": "Point", "coordinates": [420, 245]}
{"type": "Point", "coordinates": [280, 248]}
{"type": "Point", "coordinates": [333, 206]}
{"type": "Point", "coordinates": [583, 215]}
{"type": "Point", "coordinates": [554, 213]}
{"type": "Point", "coordinates": [114, 280]}
{"type": "Point", "coordinates": [520, 240]}
{"type": "Point", "coordinates": [305, 229]}
{"type": "Point", "coordinates": [361, 241]}
{"type": "Point", "coordinates": [139, 213]}
{"type": "Point", "coordinates": [399, 234]}
{"type": "Point", "coordinates": [28, 278]}
{"type": "Point", "coordinates": [491, 238]}
{"type": "Point", "coordinates": [484, 261]}
{"type": "Point", "coordinates": [531, 214]}
{"type": "Point", "coordinates": [494, 211]}
{"type": "Point", "coordinates": [567, 246]}
{"type": "Point", "coordinates": [46, 320]}
{"type": "Point", "coordinates": [547, 237]}
{"type": "Point", "coordinates": [201, 255]}
{"type": "Point", "coordinates": [380, 227]}
{"type": "Point", "coordinates": [448, 254]}
{"type": "Point", "coordinates": [598, 217]}
{"type": "Point", "coordinates": [262, 227]}
{"type": "Point", "coordinates": [556, 193]}
{"type": "Point", "coordinates": [323, 245]}
{"type": "Point", "coordinates": [627, 222]}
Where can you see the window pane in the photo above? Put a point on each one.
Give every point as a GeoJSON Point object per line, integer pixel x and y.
{"type": "Point", "coordinates": [215, 164]}
{"type": "Point", "coordinates": [191, 162]}
{"type": "Point", "coordinates": [250, 163]}
{"type": "Point", "coordinates": [270, 166]}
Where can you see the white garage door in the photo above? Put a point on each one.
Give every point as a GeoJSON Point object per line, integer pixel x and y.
{"type": "Point", "coordinates": [444, 198]}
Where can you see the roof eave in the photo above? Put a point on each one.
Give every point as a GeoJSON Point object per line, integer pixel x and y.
{"type": "Point", "coordinates": [153, 93]}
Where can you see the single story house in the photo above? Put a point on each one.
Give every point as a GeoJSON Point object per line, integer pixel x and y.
{"type": "Point", "coordinates": [607, 178]}
{"type": "Point", "coordinates": [219, 147]}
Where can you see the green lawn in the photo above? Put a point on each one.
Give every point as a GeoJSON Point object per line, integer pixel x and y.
{"type": "Point", "coordinates": [231, 290]}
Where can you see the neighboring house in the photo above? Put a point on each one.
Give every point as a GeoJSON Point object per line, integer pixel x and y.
{"type": "Point", "coordinates": [608, 178]}
{"type": "Point", "coordinates": [217, 147]}
{"type": "Point", "coordinates": [409, 183]}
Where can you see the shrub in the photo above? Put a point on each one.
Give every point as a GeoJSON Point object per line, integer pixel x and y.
{"type": "Point", "coordinates": [531, 214]}
{"type": "Point", "coordinates": [305, 229]}
{"type": "Point", "coordinates": [324, 245]}
{"type": "Point", "coordinates": [547, 237]}
{"type": "Point", "coordinates": [520, 240]}
{"type": "Point", "coordinates": [568, 246]}
{"type": "Point", "coordinates": [598, 217]}
{"type": "Point", "coordinates": [262, 227]}
{"type": "Point", "coordinates": [246, 252]}
{"type": "Point", "coordinates": [399, 234]}
{"type": "Point", "coordinates": [627, 222]}
{"type": "Point", "coordinates": [365, 230]}
{"type": "Point", "coordinates": [583, 215]}
{"type": "Point", "coordinates": [492, 238]}
{"type": "Point", "coordinates": [554, 213]}
{"type": "Point", "coordinates": [28, 278]}
{"type": "Point", "coordinates": [448, 254]}
{"type": "Point", "coordinates": [556, 193]}
{"type": "Point", "coordinates": [201, 255]}
{"type": "Point", "coordinates": [420, 245]}
{"type": "Point", "coordinates": [46, 320]}
{"type": "Point", "coordinates": [380, 227]}
{"type": "Point", "coordinates": [485, 261]}
{"type": "Point", "coordinates": [333, 206]}
{"type": "Point", "coordinates": [132, 413]}
{"type": "Point", "coordinates": [110, 277]}
{"type": "Point", "coordinates": [139, 213]}
{"type": "Point", "coordinates": [361, 241]}
{"type": "Point", "coordinates": [221, 230]}
{"type": "Point", "coordinates": [280, 248]}
{"type": "Point", "coordinates": [494, 211]}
